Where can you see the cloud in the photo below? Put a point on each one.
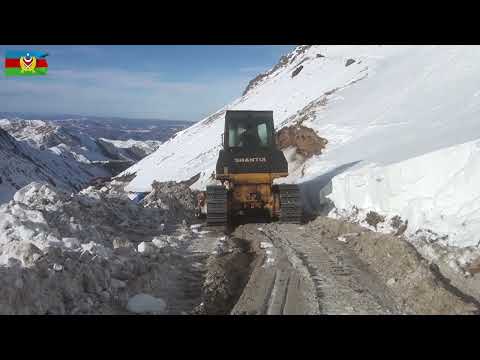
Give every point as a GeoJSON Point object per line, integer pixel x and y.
{"type": "Point", "coordinates": [118, 93]}
{"type": "Point", "coordinates": [125, 80]}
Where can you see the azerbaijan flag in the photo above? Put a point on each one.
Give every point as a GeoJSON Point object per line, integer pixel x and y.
{"type": "Point", "coordinates": [25, 63]}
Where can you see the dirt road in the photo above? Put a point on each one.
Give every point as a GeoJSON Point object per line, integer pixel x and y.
{"type": "Point", "coordinates": [327, 267]}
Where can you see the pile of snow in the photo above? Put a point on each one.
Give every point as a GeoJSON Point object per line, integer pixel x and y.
{"type": "Point", "coordinates": [92, 221]}
{"type": "Point", "coordinates": [438, 190]}
{"type": "Point", "coordinates": [87, 222]}
{"type": "Point", "coordinates": [86, 253]}
{"type": "Point", "coordinates": [176, 199]}
{"type": "Point", "coordinates": [385, 111]}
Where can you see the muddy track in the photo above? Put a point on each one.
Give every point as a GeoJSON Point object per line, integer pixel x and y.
{"type": "Point", "coordinates": [344, 284]}
{"type": "Point", "coordinates": [326, 267]}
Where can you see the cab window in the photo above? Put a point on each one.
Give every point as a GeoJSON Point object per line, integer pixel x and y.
{"type": "Point", "coordinates": [248, 134]}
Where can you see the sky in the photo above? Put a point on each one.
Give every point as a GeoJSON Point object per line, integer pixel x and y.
{"type": "Point", "coordinates": [174, 82]}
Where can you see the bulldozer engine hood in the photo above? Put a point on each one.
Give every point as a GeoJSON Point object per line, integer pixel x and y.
{"type": "Point", "coordinates": [260, 161]}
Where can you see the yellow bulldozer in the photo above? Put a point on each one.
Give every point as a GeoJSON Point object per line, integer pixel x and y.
{"type": "Point", "coordinates": [247, 165]}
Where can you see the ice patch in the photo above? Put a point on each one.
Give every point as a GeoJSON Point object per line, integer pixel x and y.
{"type": "Point", "coordinates": [144, 303]}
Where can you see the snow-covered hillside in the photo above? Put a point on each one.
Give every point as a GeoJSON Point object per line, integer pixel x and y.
{"type": "Point", "coordinates": [132, 150]}
{"type": "Point", "coordinates": [21, 164]}
{"type": "Point", "coordinates": [396, 119]}
{"type": "Point", "coordinates": [46, 135]}
{"type": "Point", "coordinates": [37, 150]}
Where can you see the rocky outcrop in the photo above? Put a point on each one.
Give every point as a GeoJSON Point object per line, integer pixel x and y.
{"type": "Point", "coordinates": [297, 71]}
{"type": "Point", "coordinates": [284, 60]}
{"type": "Point", "coordinates": [305, 140]}
{"type": "Point", "coordinates": [349, 62]}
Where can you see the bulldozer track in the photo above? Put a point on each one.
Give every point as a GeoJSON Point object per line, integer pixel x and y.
{"type": "Point", "coordinates": [342, 283]}
{"type": "Point", "coordinates": [290, 206]}
{"type": "Point", "coordinates": [217, 205]}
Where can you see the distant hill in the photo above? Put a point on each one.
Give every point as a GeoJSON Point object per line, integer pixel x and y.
{"type": "Point", "coordinates": [114, 128]}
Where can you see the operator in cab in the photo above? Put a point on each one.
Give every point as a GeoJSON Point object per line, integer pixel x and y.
{"type": "Point", "coordinates": [249, 138]}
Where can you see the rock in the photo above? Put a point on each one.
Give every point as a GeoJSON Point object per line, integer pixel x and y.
{"type": "Point", "coordinates": [85, 257]}
{"type": "Point", "coordinates": [57, 267]}
{"type": "Point", "coordinates": [89, 283]}
{"type": "Point", "coordinates": [26, 252]}
{"type": "Point", "coordinates": [105, 295]}
{"type": "Point", "coordinates": [391, 282]}
{"type": "Point", "coordinates": [297, 71]}
{"type": "Point", "coordinates": [140, 268]}
{"type": "Point", "coordinates": [35, 257]}
{"type": "Point", "coordinates": [119, 273]}
{"type": "Point", "coordinates": [373, 219]}
{"type": "Point", "coordinates": [305, 140]}
{"type": "Point", "coordinates": [118, 284]}
{"type": "Point", "coordinates": [144, 303]}
{"type": "Point", "coordinates": [474, 266]}
{"type": "Point", "coordinates": [146, 248]}
{"type": "Point", "coordinates": [12, 262]}
{"type": "Point", "coordinates": [94, 248]}
{"type": "Point", "coordinates": [160, 242]}
{"type": "Point", "coordinates": [19, 283]}
{"type": "Point", "coordinates": [349, 62]}
{"type": "Point", "coordinates": [71, 242]}
{"type": "Point", "coordinates": [125, 251]}
{"type": "Point", "coordinates": [121, 243]}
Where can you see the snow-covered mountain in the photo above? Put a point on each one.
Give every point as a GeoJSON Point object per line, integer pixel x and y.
{"type": "Point", "coordinates": [21, 164]}
{"type": "Point", "coordinates": [36, 150]}
{"type": "Point", "coordinates": [132, 150]}
{"type": "Point", "coordinates": [401, 124]}
{"type": "Point", "coordinates": [44, 135]}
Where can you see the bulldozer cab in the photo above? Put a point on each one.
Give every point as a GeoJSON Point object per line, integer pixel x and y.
{"type": "Point", "coordinates": [249, 147]}
{"type": "Point", "coordinates": [248, 130]}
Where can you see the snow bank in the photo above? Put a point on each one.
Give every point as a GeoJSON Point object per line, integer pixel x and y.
{"type": "Point", "coordinates": [88, 222]}
{"type": "Point", "coordinates": [438, 190]}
